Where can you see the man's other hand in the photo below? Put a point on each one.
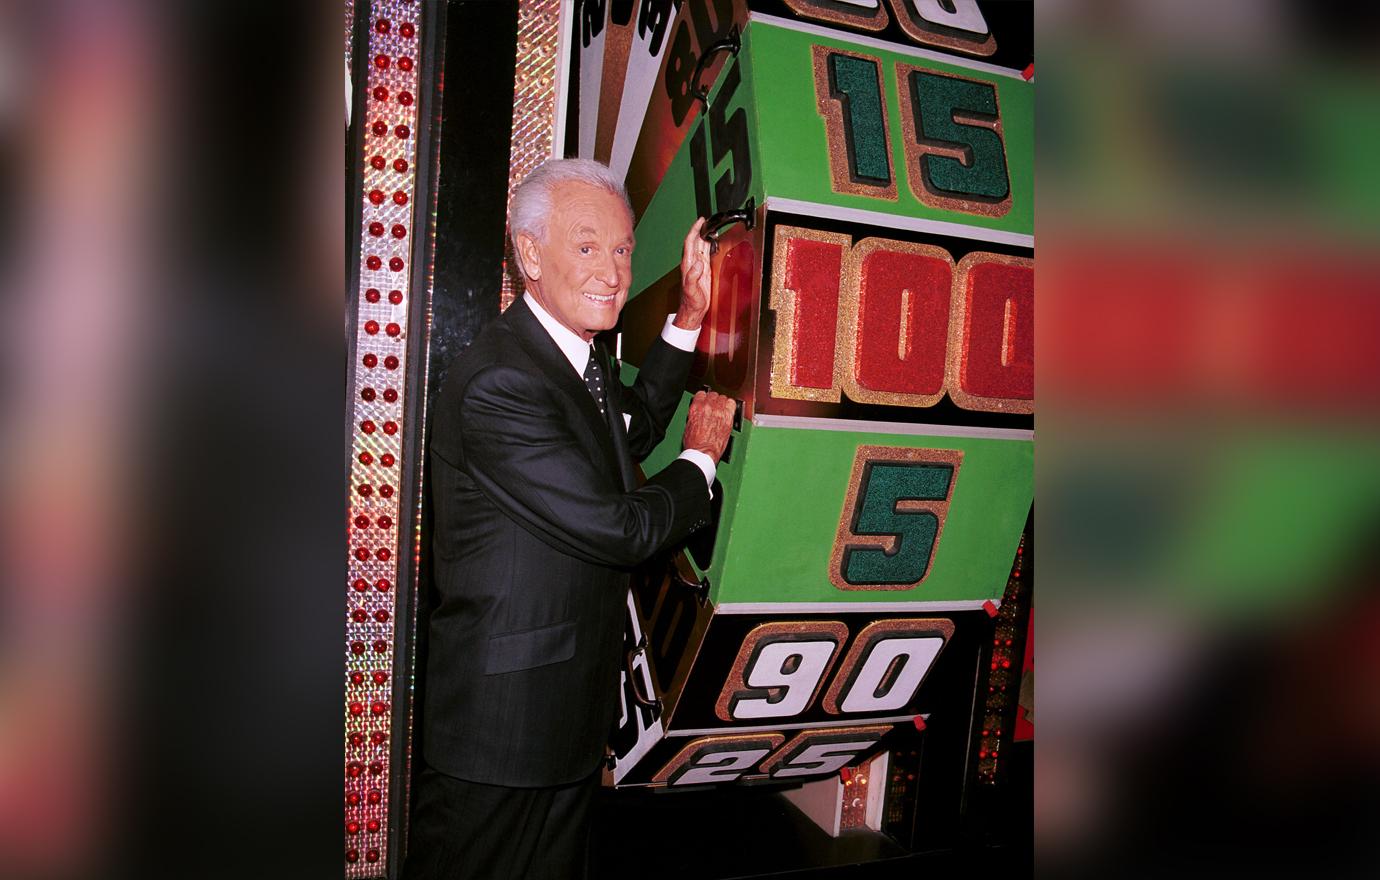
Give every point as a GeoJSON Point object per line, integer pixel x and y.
{"type": "Point", "coordinates": [709, 424]}
{"type": "Point", "coordinates": [694, 280]}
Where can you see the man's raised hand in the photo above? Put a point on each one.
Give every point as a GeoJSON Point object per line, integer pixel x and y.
{"type": "Point", "coordinates": [694, 280]}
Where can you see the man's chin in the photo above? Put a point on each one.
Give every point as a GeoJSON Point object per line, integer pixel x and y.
{"type": "Point", "coordinates": [599, 319]}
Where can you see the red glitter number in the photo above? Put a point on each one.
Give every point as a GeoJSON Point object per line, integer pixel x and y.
{"type": "Point", "coordinates": [999, 333]}
{"type": "Point", "coordinates": [903, 322]}
{"type": "Point", "coordinates": [812, 272]}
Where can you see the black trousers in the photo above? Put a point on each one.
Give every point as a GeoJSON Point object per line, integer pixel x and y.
{"type": "Point", "coordinates": [465, 830]}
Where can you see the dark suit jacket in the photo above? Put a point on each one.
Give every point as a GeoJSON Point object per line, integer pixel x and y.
{"type": "Point", "coordinates": [536, 526]}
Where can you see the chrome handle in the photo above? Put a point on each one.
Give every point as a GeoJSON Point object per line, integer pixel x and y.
{"type": "Point", "coordinates": [731, 43]}
{"type": "Point", "coordinates": [645, 702]}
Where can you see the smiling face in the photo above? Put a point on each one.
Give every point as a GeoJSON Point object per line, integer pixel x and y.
{"type": "Point", "coordinates": [580, 274]}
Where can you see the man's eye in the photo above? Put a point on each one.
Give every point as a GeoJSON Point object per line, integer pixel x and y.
{"type": "Point", "coordinates": [586, 250]}
{"type": "Point", "coordinates": [622, 252]}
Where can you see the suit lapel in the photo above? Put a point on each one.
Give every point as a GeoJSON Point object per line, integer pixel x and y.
{"type": "Point", "coordinates": [549, 358]}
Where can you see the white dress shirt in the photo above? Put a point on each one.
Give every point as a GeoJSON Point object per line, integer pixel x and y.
{"type": "Point", "coordinates": [578, 352]}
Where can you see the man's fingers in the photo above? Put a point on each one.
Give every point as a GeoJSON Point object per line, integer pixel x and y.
{"type": "Point", "coordinates": [691, 249]}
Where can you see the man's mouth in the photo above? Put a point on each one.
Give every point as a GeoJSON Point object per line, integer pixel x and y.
{"type": "Point", "coordinates": [600, 300]}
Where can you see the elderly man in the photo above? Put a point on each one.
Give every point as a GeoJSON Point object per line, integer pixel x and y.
{"type": "Point", "coordinates": [537, 523]}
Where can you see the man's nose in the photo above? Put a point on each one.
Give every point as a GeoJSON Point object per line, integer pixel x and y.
{"type": "Point", "coordinates": [607, 271]}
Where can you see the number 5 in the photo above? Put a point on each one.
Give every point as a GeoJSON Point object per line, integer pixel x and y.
{"type": "Point", "coordinates": [893, 517]}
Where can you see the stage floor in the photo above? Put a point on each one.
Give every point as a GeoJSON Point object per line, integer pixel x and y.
{"type": "Point", "coordinates": [716, 834]}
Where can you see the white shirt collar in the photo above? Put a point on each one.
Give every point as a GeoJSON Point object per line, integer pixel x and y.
{"type": "Point", "coordinates": [575, 349]}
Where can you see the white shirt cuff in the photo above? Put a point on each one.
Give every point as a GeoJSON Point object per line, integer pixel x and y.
{"type": "Point", "coordinates": [704, 463]}
{"type": "Point", "coordinates": [678, 337]}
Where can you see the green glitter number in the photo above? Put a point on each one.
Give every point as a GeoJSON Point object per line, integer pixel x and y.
{"type": "Point", "coordinates": [856, 83]}
{"type": "Point", "coordinates": [883, 486]}
{"type": "Point", "coordinates": [936, 98]}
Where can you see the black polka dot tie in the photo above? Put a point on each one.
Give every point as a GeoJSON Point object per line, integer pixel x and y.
{"type": "Point", "coordinates": [594, 379]}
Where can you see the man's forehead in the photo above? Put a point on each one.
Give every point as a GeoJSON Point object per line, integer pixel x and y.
{"type": "Point", "coordinates": [592, 210]}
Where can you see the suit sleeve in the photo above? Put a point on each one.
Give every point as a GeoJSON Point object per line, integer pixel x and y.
{"type": "Point", "coordinates": [529, 462]}
{"type": "Point", "coordinates": [653, 398]}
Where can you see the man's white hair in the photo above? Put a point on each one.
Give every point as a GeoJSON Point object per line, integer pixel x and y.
{"type": "Point", "coordinates": [531, 203]}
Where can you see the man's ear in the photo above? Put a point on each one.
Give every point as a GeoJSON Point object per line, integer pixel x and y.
{"type": "Point", "coordinates": [530, 257]}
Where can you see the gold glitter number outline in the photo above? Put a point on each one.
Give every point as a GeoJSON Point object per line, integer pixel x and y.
{"type": "Point", "coordinates": [783, 302]}
{"type": "Point", "coordinates": [850, 316]}
{"type": "Point", "coordinates": [915, 150]}
{"type": "Point", "coordinates": [845, 538]}
{"type": "Point", "coordinates": [695, 747]}
{"type": "Point", "coordinates": [956, 357]}
{"type": "Point", "coordinates": [872, 635]}
{"type": "Point", "coordinates": [932, 34]}
{"type": "Point", "coordinates": [838, 13]}
{"type": "Point", "coordinates": [802, 740]}
{"type": "Point", "coordinates": [736, 681]}
{"type": "Point", "coordinates": [835, 129]}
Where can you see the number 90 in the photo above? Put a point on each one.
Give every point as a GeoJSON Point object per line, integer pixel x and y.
{"type": "Point", "coordinates": [781, 668]}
